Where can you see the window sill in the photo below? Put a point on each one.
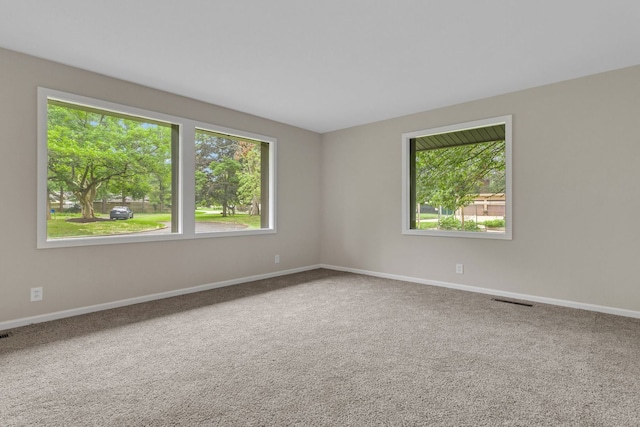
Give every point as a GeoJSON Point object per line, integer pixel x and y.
{"type": "Point", "coordinates": [123, 239]}
{"type": "Point", "coordinates": [465, 234]}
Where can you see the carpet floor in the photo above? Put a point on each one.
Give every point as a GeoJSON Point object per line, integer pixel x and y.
{"type": "Point", "coordinates": [324, 348]}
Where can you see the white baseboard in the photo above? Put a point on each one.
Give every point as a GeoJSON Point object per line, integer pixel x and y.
{"type": "Point", "coordinates": [10, 324]}
{"type": "Point", "coordinates": [513, 295]}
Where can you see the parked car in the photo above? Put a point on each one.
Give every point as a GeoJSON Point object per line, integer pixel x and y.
{"type": "Point", "coordinates": [120, 212]}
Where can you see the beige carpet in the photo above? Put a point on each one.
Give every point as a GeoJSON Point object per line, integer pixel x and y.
{"type": "Point", "coordinates": [324, 348]}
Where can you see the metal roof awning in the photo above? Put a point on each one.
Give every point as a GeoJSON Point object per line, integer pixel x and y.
{"type": "Point", "coordinates": [456, 138]}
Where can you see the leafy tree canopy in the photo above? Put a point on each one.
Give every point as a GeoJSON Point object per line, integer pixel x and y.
{"type": "Point", "coordinates": [227, 172]}
{"type": "Point", "coordinates": [90, 152]}
{"type": "Point", "coordinates": [451, 177]}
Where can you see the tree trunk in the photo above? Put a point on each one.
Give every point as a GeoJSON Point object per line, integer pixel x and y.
{"type": "Point", "coordinates": [48, 206]}
{"type": "Point", "coordinates": [86, 201]}
{"type": "Point", "coordinates": [255, 206]}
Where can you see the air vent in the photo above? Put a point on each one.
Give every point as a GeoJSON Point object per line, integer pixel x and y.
{"type": "Point", "coordinates": [513, 302]}
{"type": "Point", "coordinates": [5, 335]}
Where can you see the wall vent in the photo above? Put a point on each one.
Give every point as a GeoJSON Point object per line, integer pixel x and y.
{"type": "Point", "coordinates": [513, 302]}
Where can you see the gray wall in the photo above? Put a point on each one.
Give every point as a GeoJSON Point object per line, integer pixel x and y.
{"type": "Point", "coordinates": [573, 142]}
{"type": "Point", "coordinates": [339, 200]}
{"type": "Point", "coordinates": [84, 276]}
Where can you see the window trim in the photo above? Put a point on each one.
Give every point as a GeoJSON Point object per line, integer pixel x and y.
{"type": "Point", "coordinates": [186, 174]}
{"type": "Point", "coordinates": [406, 178]}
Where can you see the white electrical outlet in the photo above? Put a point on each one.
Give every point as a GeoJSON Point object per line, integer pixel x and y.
{"type": "Point", "coordinates": [459, 268]}
{"type": "Point", "coordinates": [277, 259]}
{"type": "Point", "coordinates": [36, 294]}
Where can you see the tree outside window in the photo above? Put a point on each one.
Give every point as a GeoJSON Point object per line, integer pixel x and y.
{"type": "Point", "coordinates": [231, 174]}
{"type": "Point", "coordinates": [459, 179]}
{"type": "Point", "coordinates": [99, 156]}
{"type": "Point", "coordinates": [111, 173]}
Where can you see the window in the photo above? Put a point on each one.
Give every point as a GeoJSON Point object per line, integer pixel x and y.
{"type": "Point", "coordinates": [104, 165]}
{"type": "Point", "coordinates": [110, 173]}
{"type": "Point", "coordinates": [457, 180]}
{"type": "Point", "coordinates": [232, 182]}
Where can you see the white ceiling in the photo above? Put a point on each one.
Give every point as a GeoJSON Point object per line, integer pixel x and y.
{"type": "Point", "coordinates": [330, 64]}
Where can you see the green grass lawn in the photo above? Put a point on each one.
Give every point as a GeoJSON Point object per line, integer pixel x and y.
{"type": "Point", "coordinates": [58, 227]}
{"type": "Point", "coordinates": [428, 216]}
{"type": "Point", "coordinates": [428, 225]}
{"type": "Point", "coordinates": [251, 221]}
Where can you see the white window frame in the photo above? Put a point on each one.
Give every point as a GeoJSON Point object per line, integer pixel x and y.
{"type": "Point", "coordinates": [186, 175]}
{"type": "Point", "coordinates": [406, 179]}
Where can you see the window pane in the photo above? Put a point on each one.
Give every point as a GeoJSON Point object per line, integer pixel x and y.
{"type": "Point", "coordinates": [458, 180]}
{"type": "Point", "coordinates": [108, 173]}
{"type": "Point", "coordinates": [231, 177]}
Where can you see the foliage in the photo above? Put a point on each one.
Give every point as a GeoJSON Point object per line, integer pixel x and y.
{"type": "Point", "coordinates": [225, 182]}
{"type": "Point", "coordinates": [471, 226]}
{"type": "Point", "coordinates": [250, 176]}
{"type": "Point", "coordinates": [449, 223]}
{"type": "Point", "coordinates": [453, 223]}
{"type": "Point", "coordinates": [451, 177]}
{"type": "Point", "coordinates": [94, 154]}
{"type": "Point", "coordinates": [98, 156]}
{"type": "Point", "coordinates": [227, 172]}
{"type": "Point", "coordinates": [494, 223]}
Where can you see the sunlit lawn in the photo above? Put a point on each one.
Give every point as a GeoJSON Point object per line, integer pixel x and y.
{"type": "Point", "coordinates": [59, 227]}
{"type": "Point", "coordinates": [428, 225]}
{"type": "Point", "coordinates": [428, 216]}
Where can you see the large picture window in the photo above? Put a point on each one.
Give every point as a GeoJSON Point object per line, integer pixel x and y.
{"type": "Point", "coordinates": [457, 180]}
{"type": "Point", "coordinates": [103, 166]}
{"type": "Point", "coordinates": [110, 173]}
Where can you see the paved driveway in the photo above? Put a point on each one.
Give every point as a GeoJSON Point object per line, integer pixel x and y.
{"type": "Point", "coordinates": [203, 227]}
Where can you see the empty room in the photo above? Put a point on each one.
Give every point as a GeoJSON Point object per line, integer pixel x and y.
{"type": "Point", "coordinates": [338, 213]}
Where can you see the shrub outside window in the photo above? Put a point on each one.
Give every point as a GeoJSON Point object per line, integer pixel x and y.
{"type": "Point", "coordinates": [457, 180]}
